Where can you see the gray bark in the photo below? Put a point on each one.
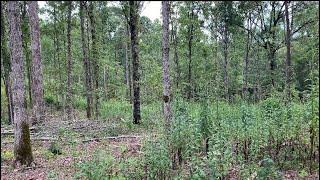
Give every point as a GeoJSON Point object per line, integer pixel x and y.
{"type": "Point", "coordinates": [36, 66]}
{"type": "Point", "coordinates": [22, 146]}
{"type": "Point", "coordinates": [225, 62]}
{"type": "Point", "coordinates": [94, 58]}
{"type": "Point", "coordinates": [86, 64]}
{"type": "Point", "coordinates": [69, 107]}
{"type": "Point", "coordinates": [165, 63]}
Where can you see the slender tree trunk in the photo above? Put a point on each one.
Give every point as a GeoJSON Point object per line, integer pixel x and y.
{"type": "Point", "coordinates": [134, 18]}
{"type": "Point", "coordinates": [176, 59]}
{"type": "Point", "coordinates": [105, 82]}
{"type": "Point", "coordinates": [225, 62]}
{"type": "Point", "coordinates": [25, 40]}
{"type": "Point", "coordinates": [272, 60]}
{"type": "Point", "coordinates": [127, 64]}
{"type": "Point", "coordinates": [22, 145]}
{"type": "Point", "coordinates": [288, 55]}
{"type": "Point", "coordinates": [190, 54]}
{"type": "Point", "coordinates": [86, 64]}
{"type": "Point", "coordinates": [36, 67]}
{"type": "Point", "coordinates": [94, 58]}
{"type": "Point", "coordinates": [165, 63]}
{"type": "Point", "coordinates": [5, 64]}
{"type": "Point", "coordinates": [56, 51]}
{"type": "Point", "coordinates": [246, 64]}
{"type": "Point", "coordinates": [69, 96]}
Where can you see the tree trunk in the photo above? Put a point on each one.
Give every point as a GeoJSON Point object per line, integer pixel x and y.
{"type": "Point", "coordinates": [134, 17]}
{"type": "Point", "coordinates": [128, 82]}
{"type": "Point", "coordinates": [86, 64]}
{"type": "Point", "coordinates": [22, 145]}
{"type": "Point", "coordinates": [272, 60]}
{"type": "Point", "coordinates": [25, 40]}
{"type": "Point", "coordinates": [288, 55]}
{"type": "Point", "coordinates": [165, 63]}
{"type": "Point", "coordinates": [6, 65]}
{"type": "Point", "coordinates": [105, 82]}
{"type": "Point", "coordinates": [190, 30]}
{"type": "Point", "coordinates": [69, 94]}
{"type": "Point", "coordinates": [246, 64]}
{"type": "Point", "coordinates": [36, 67]}
{"type": "Point", "coordinates": [225, 63]}
{"type": "Point", "coordinates": [94, 58]}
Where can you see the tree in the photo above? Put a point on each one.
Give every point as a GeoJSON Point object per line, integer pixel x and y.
{"type": "Point", "coordinates": [26, 48]}
{"type": "Point", "coordinates": [22, 145]}
{"type": "Point", "coordinates": [133, 23]}
{"type": "Point", "coordinates": [165, 62]}
{"type": "Point", "coordinates": [190, 38]}
{"type": "Point", "coordinates": [246, 62]}
{"type": "Point", "coordinates": [5, 64]}
{"type": "Point", "coordinates": [69, 96]}
{"type": "Point", "coordinates": [94, 57]}
{"type": "Point", "coordinates": [36, 67]}
{"type": "Point", "coordinates": [174, 37]}
{"type": "Point", "coordinates": [86, 63]}
{"type": "Point", "coordinates": [288, 54]}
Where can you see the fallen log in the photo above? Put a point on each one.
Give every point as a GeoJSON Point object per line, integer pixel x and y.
{"type": "Point", "coordinates": [33, 139]}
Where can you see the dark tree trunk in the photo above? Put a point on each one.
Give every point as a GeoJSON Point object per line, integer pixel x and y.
{"type": "Point", "coordinates": [86, 64]}
{"type": "Point", "coordinates": [94, 58]}
{"type": "Point", "coordinates": [25, 40]}
{"type": "Point", "coordinates": [165, 63]}
{"type": "Point", "coordinates": [288, 55]}
{"type": "Point", "coordinates": [5, 64]}
{"type": "Point", "coordinates": [246, 64]}
{"type": "Point", "coordinates": [22, 145]}
{"type": "Point", "coordinates": [190, 31]}
{"type": "Point", "coordinates": [69, 107]}
{"type": "Point", "coordinates": [272, 60]}
{"type": "Point", "coordinates": [36, 67]}
{"type": "Point", "coordinates": [134, 18]}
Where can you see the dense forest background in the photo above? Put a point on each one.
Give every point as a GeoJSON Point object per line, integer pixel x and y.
{"type": "Point", "coordinates": [234, 89]}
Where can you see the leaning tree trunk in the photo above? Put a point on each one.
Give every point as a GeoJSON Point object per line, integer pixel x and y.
{"type": "Point", "coordinates": [165, 63]}
{"type": "Point", "coordinates": [36, 67]}
{"type": "Point", "coordinates": [69, 107]}
{"type": "Point", "coordinates": [86, 64]}
{"type": "Point", "coordinates": [134, 16]}
{"type": "Point", "coordinates": [22, 146]}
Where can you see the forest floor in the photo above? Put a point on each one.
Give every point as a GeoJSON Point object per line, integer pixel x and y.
{"type": "Point", "coordinates": [77, 141]}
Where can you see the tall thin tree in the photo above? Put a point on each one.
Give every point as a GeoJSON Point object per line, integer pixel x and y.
{"type": "Point", "coordinates": [36, 66]}
{"type": "Point", "coordinates": [69, 94]}
{"type": "Point", "coordinates": [94, 57]}
{"type": "Point", "coordinates": [288, 54]}
{"type": "Point", "coordinates": [22, 145]}
{"type": "Point", "coordinates": [134, 21]}
{"type": "Point", "coordinates": [86, 63]}
{"type": "Point", "coordinates": [165, 62]}
{"type": "Point", "coordinates": [5, 63]}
